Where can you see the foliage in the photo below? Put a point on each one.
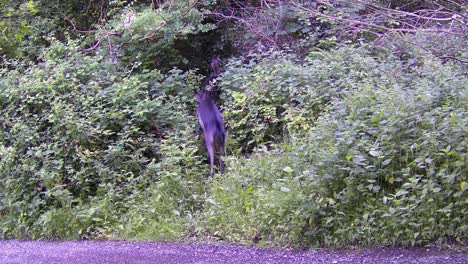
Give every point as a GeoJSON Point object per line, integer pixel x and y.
{"type": "Point", "coordinates": [273, 96]}
{"type": "Point", "coordinates": [14, 24]}
{"type": "Point", "coordinates": [388, 145]}
{"type": "Point", "coordinates": [383, 163]}
{"type": "Point", "coordinates": [78, 134]}
{"type": "Point", "coordinates": [157, 38]}
{"type": "Point", "coordinates": [338, 133]}
{"type": "Point", "coordinates": [258, 201]}
{"type": "Point", "coordinates": [160, 212]}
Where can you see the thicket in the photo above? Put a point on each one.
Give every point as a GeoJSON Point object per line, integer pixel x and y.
{"type": "Point", "coordinates": [335, 137]}
{"type": "Point", "coordinates": [368, 150]}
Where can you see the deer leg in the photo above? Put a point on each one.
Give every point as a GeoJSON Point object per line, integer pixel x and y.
{"type": "Point", "coordinates": [221, 155]}
{"type": "Point", "coordinates": [210, 148]}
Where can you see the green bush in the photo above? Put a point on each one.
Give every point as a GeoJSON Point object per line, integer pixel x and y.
{"type": "Point", "coordinates": [15, 25]}
{"type": "Point", "coordinates": [341, 147]}
{"type": "Point", "coordinates": [161, 212]}
{"type": "Point", "coordinates": [393, 180]}
{"type": "Point", "coordinates": [271, 97]}
{"type": "Point", "coordinates": [78, 136]}
{"type": "Point", "coordinates": [258, 201]}
{"type": "Point", "coordinates": [383, 162]}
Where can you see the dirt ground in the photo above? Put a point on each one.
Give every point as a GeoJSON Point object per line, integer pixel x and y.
{"type": "Point", "coordinates": [12, 251]}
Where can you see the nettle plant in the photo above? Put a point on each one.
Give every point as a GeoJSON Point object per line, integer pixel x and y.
{"type": "Point", "coordinates": [272, 96]}
{"type": "Point", "coordinates": [382, 161]}
{"type": "Point", "coordinates": [397, 154]}
{"type": "Point", "coordinates": [78, 135]}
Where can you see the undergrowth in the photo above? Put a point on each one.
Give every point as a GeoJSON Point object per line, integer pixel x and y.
{"type": "Point", "coordinates": [341, 147]}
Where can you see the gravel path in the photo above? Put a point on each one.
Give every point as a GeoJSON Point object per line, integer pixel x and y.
{"type": "Point", "coordinates": [12, 251]}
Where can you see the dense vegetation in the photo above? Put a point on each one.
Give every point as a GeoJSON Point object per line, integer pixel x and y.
{"type": "Point", "coordinates": [346, 121]}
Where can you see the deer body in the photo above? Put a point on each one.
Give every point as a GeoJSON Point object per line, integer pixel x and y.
{"type": "Point", "coordinates": [212, 124]}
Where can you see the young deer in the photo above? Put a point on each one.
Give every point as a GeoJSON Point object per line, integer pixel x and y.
{"type": "Point", "coordinates": [212, 124]}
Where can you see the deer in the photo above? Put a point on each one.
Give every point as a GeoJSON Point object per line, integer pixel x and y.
{"type": "Point", "coordinates": [211, 121]}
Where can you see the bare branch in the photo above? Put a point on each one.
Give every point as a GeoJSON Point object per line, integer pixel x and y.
{"type": "Point", "coordinates": [409, 28]}
{"type": "Point", "coordinates": [77, 30]}
{"type": "Point", "coordinates": [252, 27]}
{"type": "Point", "coordinates": [441, 19]}
{"type": "Point", "coordinates": [98, 42]}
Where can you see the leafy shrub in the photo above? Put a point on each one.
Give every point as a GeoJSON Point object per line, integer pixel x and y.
{"type": "Point", "coordinates": [78, 134]}
{"type": "Point", "coordinates": [270, 97]}
{"type": "Point", "coordinates": [383, 162]}
{"type": "Point", "coordinates": [159, 37]}
{"type": "Point", "coordinates": [14, 25]}
{"type": "Point", "coordinates": [161, 212]}
{"type": "Point", "coordinates": [259, 201]}
{"type": "Point", "coordinates": [349, 146]}
{"type": "Point", "coordinates": [392, 180]}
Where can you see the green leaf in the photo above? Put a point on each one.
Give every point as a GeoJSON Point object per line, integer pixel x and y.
{"type": "Point", "coordinates": [288, 169]}
{"type": "Point", "coordinates": [386, 162]}
{"type": "Point", "coordinates": [463, 185]}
